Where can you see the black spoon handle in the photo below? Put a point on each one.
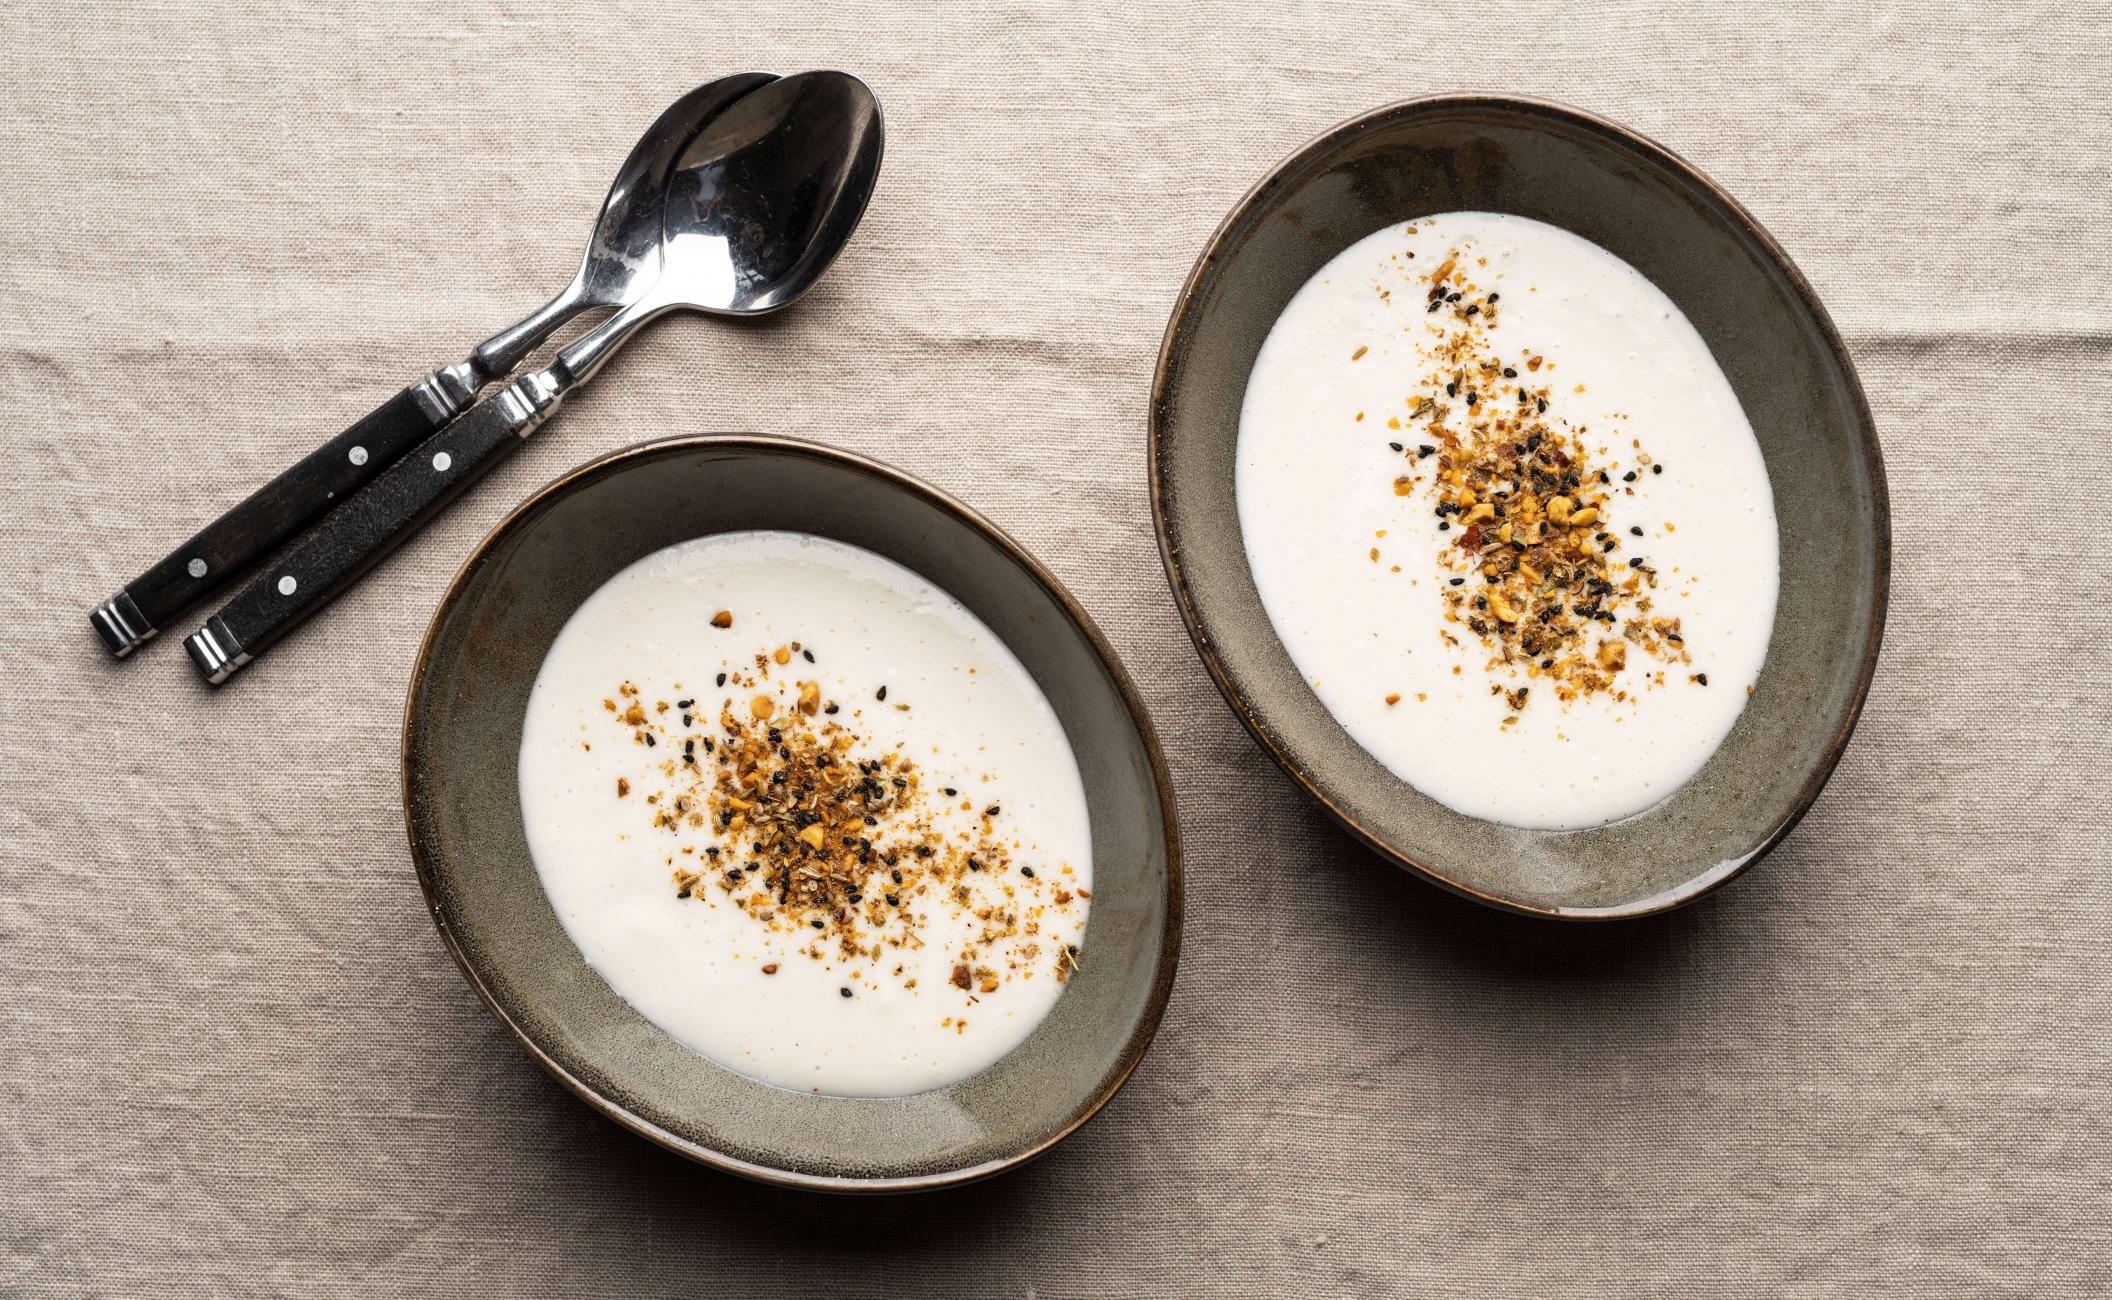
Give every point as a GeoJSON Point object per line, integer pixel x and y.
{"type": "Point", "coordinates": [272, 514]}
{"type": "Point", "coordinates": [355, 536]}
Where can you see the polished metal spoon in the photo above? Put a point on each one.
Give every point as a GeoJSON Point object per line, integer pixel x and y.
{"type": "Point", "coordinates": [622, 262]}
{"type": "Point", "coordinates": [761, 202]}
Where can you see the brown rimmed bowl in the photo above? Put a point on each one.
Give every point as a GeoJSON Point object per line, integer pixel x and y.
{"type": "Point", "coordinates": [1769, 334]}
{"type": "Point", "coordinates": [461, 743]}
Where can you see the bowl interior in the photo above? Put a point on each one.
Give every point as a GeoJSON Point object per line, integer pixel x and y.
{"type": "Point", "coordinates": [462, 741]}
{"type": "Point", "coordinates": [1772, 340]}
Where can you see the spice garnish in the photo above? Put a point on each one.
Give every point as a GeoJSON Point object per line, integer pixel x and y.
{"type": "Point", "coordinates": [816, 830]}
{"type": "Point", "coordinates": [1530, 571]}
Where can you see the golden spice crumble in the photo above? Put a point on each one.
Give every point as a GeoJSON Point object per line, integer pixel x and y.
{"type": "Point", "coordinates": [1532, 562]}
{"type": "Point", "coordinates": [783, 806]}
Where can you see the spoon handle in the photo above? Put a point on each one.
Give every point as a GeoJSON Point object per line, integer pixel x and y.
{"type": "Point", "coordinates": [356, 536]}
{"type": "Point", "coordinates": [270, 515]}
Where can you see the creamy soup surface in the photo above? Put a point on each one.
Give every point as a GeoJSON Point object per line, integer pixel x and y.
{"type": "Point", "coordinates": [1509, 519]}
{"type": "Point", "coordinates": [808, 814]}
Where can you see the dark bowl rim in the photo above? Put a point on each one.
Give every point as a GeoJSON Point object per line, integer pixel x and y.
{"type": "Point", "coordinates": [1529, 108]}
{"type": "Point", "coordinates": [1140, 1039]}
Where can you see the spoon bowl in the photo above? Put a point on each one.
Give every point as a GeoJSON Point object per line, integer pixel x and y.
{"type": "Point", "coordinates": [622, 260]}
{"type": "Point", "coordinates": [757, 208]}
{"type": "Point", "coordinates": [756, 212]}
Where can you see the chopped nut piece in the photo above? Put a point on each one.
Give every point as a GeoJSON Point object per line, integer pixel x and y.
{"type": "Point", "coordinates": [762, 706]}
{"type": "Point", "coordinates": [724, 618]}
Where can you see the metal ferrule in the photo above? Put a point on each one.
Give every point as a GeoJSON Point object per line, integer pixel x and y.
{"type": "Point", "coordinates": [530, 400]}
{"type": "Point", "coordinates": [447, 392]}
{"type": "Point", "coordinates": [216, 652]}
{"type": "Point", "coordinates": [121, 625]}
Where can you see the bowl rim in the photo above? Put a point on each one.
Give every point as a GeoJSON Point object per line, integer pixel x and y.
{"type": "Point", "coordinates": [1542, 110]}
{"type": "Point", "coordinates": [1161, 991]}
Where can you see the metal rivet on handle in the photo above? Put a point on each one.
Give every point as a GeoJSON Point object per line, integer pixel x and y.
{"type": "Point", "coordinates": [441, 460]}
{"type": "Point", "coordinates": [287, 584]}
{"type": "Point", "coordinates": [196, 568]}
{"type": "Point", "coordinates": [358, 456]}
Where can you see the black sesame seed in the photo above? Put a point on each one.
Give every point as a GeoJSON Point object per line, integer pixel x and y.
{"type": "Point", "coordinates": [949, 792]}
{"type": "Point", "coordinates": [1635, 531]}
{"type": "Point", "coordinates": [1436, 303]}
{"type": "Point", "coordinates": [1547, 663]}
{"type": "Point", "coordinates": [1494, 296]}
{"type": "Point", "coordinates": [992, 811]}
{"type": "Point", "coordinates": [1472, 398]}
{"type": "Point", "coordinates": [882, 694]}
{"type": "Point", "coordinates": [892, 901]}
{"type": "Point", "coordinates": [1396, 446]}
{"type": "Point", "coordinates": [1636, 563]}
{"type": "Point", "coordinates": [1657, 469]}
{"type": "Point", "coordinates": [1629, 477]}
{"type": "Point", "coordinates": [1425, 450]}
{"type": "Point", "coordinates": [1703, 678]}
{"type": "Point", "coordinates": [722, 679]}
{"type": "Point", "coordinates": [846, 992]}
{"type": "Point", "coordinates": [649, 741]}
{"type": "Point", "coordinates": [1444, 527]}
{"type": "Point", "coordinates": [829, 708]}
{"type": "Point", "coordinates": [808, 655]}
{"type": "Point", "coordinates": [686, 720]}
{"type": "Point", "coordinates": [1508, 373]}
{"type": "Point", "coordinates": [1543, 405]}
{"type": "Point", "coordinates": [1603, 478]}
{"type": "Point", "coordinates": [817, 925]}
{"type": "Point", "coordinates": [1451, 390]}
{"type": "Point", "coordinates": [1458, 582]}
{"type": "Point", "coordinates": [683, 704]}
{"type": "Point", "coordinates": [1028, 872]}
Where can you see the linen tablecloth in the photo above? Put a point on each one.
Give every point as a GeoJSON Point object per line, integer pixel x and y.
{"type": "Point", "coordinates": [235, 1060]}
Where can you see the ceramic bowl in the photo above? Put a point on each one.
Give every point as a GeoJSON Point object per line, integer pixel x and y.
{"type": "Point", "coordinates": [1767, 331]}
{"type": "Point", "coordinates": [462, 735]}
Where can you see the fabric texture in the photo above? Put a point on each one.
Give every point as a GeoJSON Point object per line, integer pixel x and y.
{"type": "Point", "coordinates": [236, 1061]}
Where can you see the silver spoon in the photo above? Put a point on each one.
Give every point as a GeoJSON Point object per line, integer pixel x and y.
{"type": "Point", "coordinates": [758, 206]}
{"type": "Point", "coordinates": [622, 261]}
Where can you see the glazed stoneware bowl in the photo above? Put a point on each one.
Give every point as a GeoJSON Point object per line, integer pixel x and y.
{"type": "Point", "coordinates": [1768, 333]}
{"type": "Point", "coordinates": [462, 735]}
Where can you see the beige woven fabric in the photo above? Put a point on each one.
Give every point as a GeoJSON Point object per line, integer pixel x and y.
{"type": "Point", "coordinates": [235, 1061]}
